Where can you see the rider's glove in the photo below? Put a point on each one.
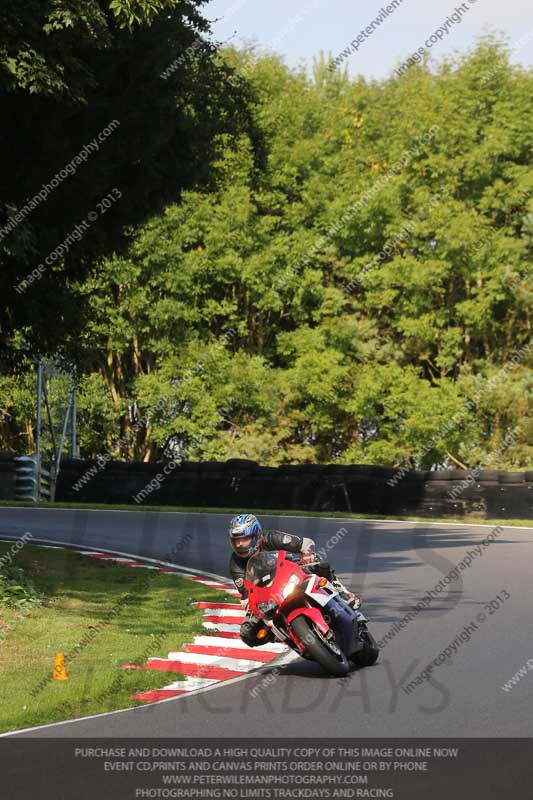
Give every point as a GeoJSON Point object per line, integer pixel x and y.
{"type": "Point", "coordinates": [308, 557]}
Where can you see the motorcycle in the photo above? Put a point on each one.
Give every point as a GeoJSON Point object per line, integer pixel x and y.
{"type": "Point", "coordinates": [306, 612]}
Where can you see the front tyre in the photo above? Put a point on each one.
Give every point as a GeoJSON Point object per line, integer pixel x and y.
{"type": "Point", "coordinates": [329, 656]}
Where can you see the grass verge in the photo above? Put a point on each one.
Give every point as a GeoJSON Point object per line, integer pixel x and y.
{"type": "Point", "coordinates": [99, 615]}
{"type": "Point", "coordinates": [272, 512]}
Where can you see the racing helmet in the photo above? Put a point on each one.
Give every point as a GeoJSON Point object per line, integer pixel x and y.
{"type": "Point", "coordinates": [245, 535]}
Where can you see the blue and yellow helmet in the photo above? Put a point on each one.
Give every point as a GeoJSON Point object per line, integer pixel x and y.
{"type": "Point", "coordinates": [245, 535]}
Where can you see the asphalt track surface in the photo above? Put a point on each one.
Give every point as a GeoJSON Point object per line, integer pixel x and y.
{"type": "Point", "coordinates": [393, 565]}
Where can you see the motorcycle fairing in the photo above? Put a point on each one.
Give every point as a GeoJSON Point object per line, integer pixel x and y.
{"type": "Point", "coordinates": [320, 595]}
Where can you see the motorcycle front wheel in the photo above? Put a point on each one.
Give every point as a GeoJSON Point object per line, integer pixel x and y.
{"type": "Point", "coordinates": [330, 657]}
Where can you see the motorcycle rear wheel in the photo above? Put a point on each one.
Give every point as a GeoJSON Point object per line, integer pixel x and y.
{"type": "Point", "coordinates": [336, 665]}
{"type": "Point", "coordinates": [369, 654]}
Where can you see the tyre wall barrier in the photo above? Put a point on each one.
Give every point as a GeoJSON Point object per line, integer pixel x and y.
{"type": "Point", "coordinates": [8, 477]}
{"type": "Point", "coordinates": [239, 483]}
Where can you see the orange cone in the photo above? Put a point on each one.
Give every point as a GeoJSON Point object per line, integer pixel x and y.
{"type": "Point", "coordinates": [60, 670]}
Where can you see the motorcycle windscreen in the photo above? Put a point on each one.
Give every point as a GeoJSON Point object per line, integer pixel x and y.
{"type": "Point", "coordinates": [261, 569]}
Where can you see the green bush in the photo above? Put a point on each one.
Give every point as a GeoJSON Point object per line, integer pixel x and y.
{"type": "Point", "coordinates": [16, 589]}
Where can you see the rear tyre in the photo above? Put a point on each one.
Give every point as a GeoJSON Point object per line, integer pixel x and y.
{"type": "Point", "coordinates": [369, 654]}
{"type": "Point", "coordinates": [334, 663]}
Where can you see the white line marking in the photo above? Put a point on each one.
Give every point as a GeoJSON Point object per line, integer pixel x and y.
{"type": "Point", "coordinates": [214, 583]}
{"type": "Point", "coordinates": [190, 684]}
{"type": "Point", "coordinates": [206, 659]}
{"type": "Point", "coordinates": [221, 626]}
{"type": "Point", "coordinates": [52, 547]}
{"type": "Point", "coordinates": [222, 641]}
{"type": "Point", "coordinates": [223, 612]}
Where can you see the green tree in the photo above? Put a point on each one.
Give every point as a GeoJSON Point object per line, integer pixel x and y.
{"type": "Point", "coordinates": [68, 71]}
{"type": "Point", "coordinates": [355, 296]}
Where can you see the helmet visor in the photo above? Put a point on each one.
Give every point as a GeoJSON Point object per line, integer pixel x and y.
{"type": "Point", "coordinates": [242, 544]}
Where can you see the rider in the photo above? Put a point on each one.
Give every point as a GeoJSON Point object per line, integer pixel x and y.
{"type": "Point", "coordinates": [247, 538]}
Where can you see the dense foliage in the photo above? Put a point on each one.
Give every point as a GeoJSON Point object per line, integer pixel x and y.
{"type": "Point", "coordinates": [365, 297]}
{"type": "Point", "coordinates": [100, 101]}
{"type": "Point", "coordinates": [17, 589]}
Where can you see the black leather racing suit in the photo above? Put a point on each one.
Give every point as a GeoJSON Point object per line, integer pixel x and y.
{"type": "Point", "coordinates": [272, 540]}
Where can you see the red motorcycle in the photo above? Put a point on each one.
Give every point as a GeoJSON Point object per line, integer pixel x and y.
{"type": "Point", "coordinates": [306, 612]}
